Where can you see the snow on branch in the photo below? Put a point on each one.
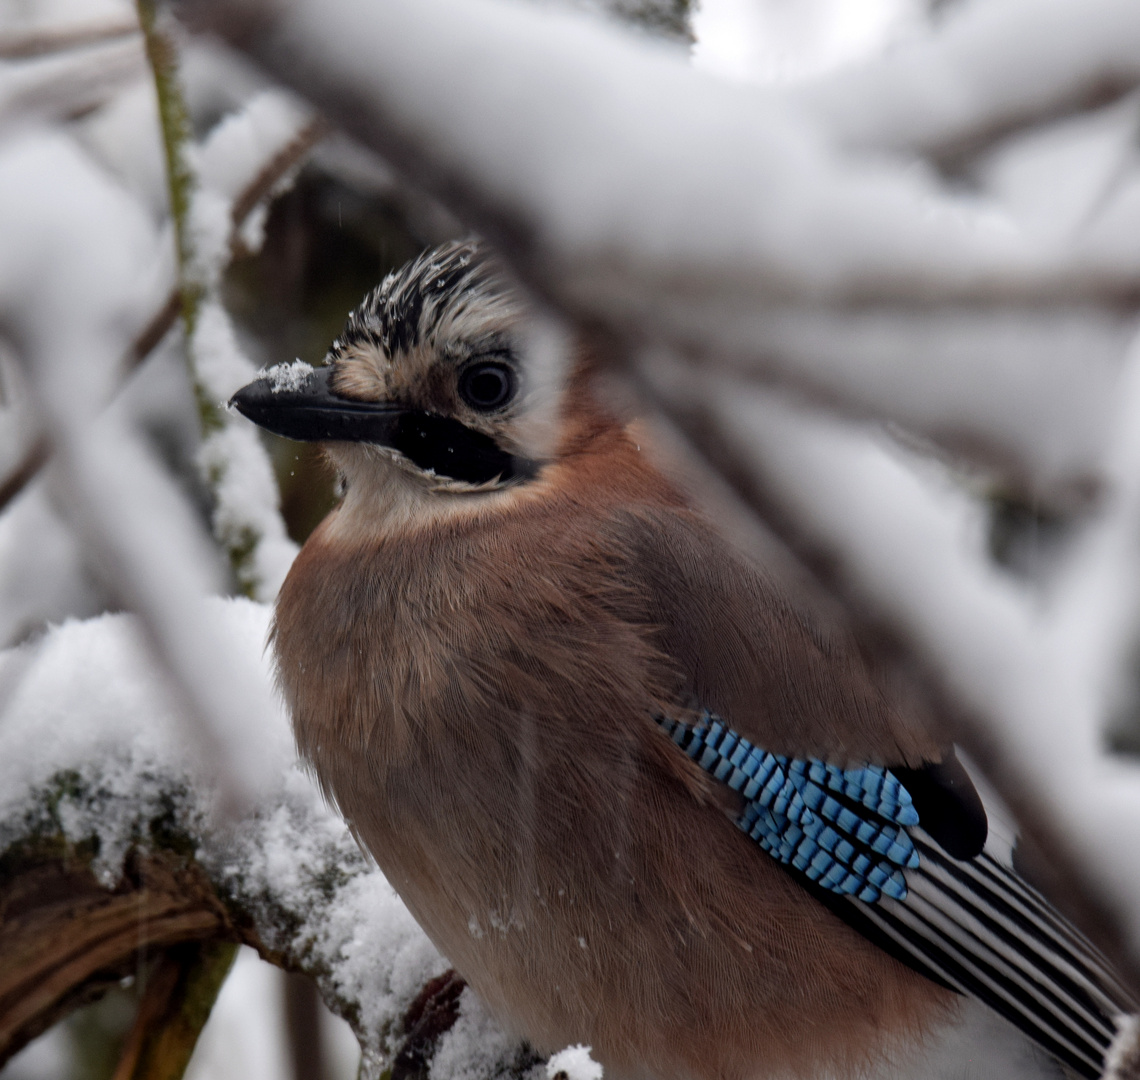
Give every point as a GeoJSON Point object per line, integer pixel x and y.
{"type": "Point", "coordinates": [94, 783]}
{"type": "Point", "coordinates": [204, 184]}
{"type": "Point", "coordinates": [988, 69]}
{"type": "Point", "coordinates": [78, 251]}
{"type": "Point", "coordinates": [631, 181]}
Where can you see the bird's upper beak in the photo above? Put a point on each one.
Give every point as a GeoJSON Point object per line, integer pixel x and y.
{"type": "Point", "coordinates": [307, 409]}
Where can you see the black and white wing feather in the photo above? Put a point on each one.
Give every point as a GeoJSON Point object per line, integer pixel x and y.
{"type": "Point", "coordinates": [907, 858]}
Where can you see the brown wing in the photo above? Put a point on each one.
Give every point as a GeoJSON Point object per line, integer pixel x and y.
{"type": "Point", "coordinates": [757, 645]}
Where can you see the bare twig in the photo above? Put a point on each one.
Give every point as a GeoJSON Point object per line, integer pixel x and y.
{"type": "Point", "coordinates": [159, 325]}
{"type": "Point", "coordinates": [17, 45]}
{"type": "Point", "coordinates": [273, 172]}
{"type": "Point", "coordinates": [34, 459]}
{"type": "Point", "coordinates": [68, 86]}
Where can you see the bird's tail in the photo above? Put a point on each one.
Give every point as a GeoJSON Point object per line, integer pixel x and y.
{"type": "Point", "coordinates": [979, 928]}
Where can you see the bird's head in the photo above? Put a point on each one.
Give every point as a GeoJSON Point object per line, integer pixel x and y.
{"type": "Point", "coordinates": [426, 388]}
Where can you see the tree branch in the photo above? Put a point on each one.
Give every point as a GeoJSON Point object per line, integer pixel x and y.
{"type": "Point", "coordinates": [984, 73]}
{"type": "Point", "coordinates": [109, 844]}
{"type": "Point", "coordinates": [163, 321]}
{"type": "Point", "coordinates": [17, 45]}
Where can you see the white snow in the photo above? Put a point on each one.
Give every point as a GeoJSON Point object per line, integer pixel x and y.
{"type": "Point", "coordinates": [287, 377]}
{"type": "Point", "coordinates": [575, 1062]}
{"type": "Point", "coordinates": [76, 254]}
{"type": "Point", "coordinates": [1120, 1060]}
{"type": "Point", "coordinates": [476, 1047]}
{"type": "Point", "coordinates": [236, 150]}
{"type": "Point", "coordinates": [986, 64]}
{"type": "Point", "coordinates": [234, 461]}
{"type": "Point", "coordinates": [43, 575]}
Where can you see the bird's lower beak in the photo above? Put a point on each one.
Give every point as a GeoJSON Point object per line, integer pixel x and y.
{"type": "Point", "coordinates": [303, 406]}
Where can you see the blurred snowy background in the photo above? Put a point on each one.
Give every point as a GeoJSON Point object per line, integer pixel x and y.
{"type": "Point", "coordinates": [969, 390]}
{"type": "Point", "coordinates": [782, 41]}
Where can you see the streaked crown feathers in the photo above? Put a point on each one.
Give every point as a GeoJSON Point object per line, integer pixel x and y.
{"type": "Point", "coordinates": [454, 294]}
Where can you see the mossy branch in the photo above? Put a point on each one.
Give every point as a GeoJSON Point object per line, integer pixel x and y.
{"type": "Point", "coordinates": [241, 526]}
{"type": "Point", "coordinates": [174, 123]}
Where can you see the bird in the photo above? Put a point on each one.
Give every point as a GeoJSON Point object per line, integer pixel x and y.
{"type": "Point", "coordinates": [644, 791]}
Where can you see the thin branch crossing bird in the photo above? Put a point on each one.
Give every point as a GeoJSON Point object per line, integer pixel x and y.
{"type": "Point", "coordinates": [644, 792]}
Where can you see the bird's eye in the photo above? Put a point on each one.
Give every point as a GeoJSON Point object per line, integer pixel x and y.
{"type": "Point", "coordinates": [487, 386]}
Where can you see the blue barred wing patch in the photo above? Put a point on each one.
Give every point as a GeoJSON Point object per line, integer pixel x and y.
{"type": "Point", "coordinates": [844, 829]}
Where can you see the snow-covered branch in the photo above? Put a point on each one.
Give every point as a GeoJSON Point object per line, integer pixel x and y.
{"type": "Point", "coordinates": [94, 786]}
{"type": "Point", "coordinates": [205, 184]}
{"type": "Point", "coordinates": [635, 192]}
{"type": "Point", "coordinates": [631, 182]}
{"type": "Point", "coordinates": [989, 69]}
{"type": "Point", "coordinates": [67, 326]}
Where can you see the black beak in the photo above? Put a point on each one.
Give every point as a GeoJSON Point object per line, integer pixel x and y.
{"type": "Point", "coordinates": [308, 410]}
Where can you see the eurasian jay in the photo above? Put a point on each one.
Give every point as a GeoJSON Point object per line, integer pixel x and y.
{"type": "Point", "coordinates": [642, 794]}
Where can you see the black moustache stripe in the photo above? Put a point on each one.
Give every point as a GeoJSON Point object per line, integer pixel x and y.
{"type": "Point", "coordinates": [446, 447]}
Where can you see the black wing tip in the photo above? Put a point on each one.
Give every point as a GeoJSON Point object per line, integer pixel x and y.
{"type": "Point", "coordinates": [949, 807]}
